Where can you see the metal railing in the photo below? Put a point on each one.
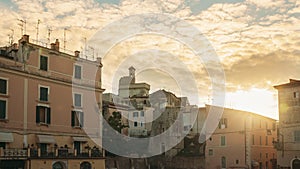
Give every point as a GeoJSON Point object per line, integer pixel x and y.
{"type": "Point", "coordinates": [51, 153]}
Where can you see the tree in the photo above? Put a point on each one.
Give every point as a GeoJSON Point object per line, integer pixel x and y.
{"type": "Point", "coordinates": [115, 121]}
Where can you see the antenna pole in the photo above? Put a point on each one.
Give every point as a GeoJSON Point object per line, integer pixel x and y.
{"type": "Point", "coordinates": [21, 24]}
{"type": "Point", "coordinates": [65, 39]}
{"type": "Point", "coordinates": [37, 30]}
{"type": "Point", "coordinates": [49, 35]}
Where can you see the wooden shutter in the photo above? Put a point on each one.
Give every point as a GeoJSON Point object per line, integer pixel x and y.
{"type": "Point", "coordinates": [37, 114]}
{"type": "Point", "coordinates": [48, 115]}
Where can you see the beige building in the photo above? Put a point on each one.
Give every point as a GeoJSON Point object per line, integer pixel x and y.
{"type": "Point", "coordinates": [136, 96]}
{"type": "Point", "coordinates": [241, 140]}
{"type": "Point", "coordinates": [48, 117]}
{"type": "Point", "coordinates": [288, 143]}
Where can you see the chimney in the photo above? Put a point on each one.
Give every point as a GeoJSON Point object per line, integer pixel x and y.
{"type": "Point", "coordinates": [77, 53]}
{"type": "Point", "coordinates": [24, 39]}
{"type": "Point", "coordinates": [55, 46]}
{"type": "Point", "coordinates": [15, 47]}
{"type": "Point", "coordinates": [52, 46]}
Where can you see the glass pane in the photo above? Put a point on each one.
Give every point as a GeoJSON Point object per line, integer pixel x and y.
{"type": "Point", "coordinates": [43, 94]}
{"type": "Point", "coordinates": [44, 63]}
{"type": "Point", "coordinates": [77, 72]}
{"type": "Point", "coordinates": [3, 86]}
{"type": "Point", "coordinates": [77, 100]}
{"type": "Point", "coordinates": [2, 109]}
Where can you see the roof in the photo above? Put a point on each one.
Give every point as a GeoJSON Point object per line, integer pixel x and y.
{"type": "Point", "coordinates": [292, 83]}
{"type": "Point", "coordinates": [242, 111]}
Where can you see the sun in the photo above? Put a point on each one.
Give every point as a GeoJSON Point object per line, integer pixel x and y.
{"type": "Point", "coordinates": [256, 100]}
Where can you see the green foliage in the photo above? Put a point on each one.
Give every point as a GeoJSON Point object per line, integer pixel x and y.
{"type": "Point", "coordinates": [115, 121]}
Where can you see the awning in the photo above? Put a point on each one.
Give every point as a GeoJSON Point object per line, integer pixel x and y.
{"type": "Point", "coordinates": [80, 139]}
{"type": "Point", "coordinates": [46, 139]}
{"type": "Point", "coordinates": [6, 137]}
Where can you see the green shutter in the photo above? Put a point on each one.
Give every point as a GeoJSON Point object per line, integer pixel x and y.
{"type": "Point", "coordinates": [48, 115]}
{"type": "Point", "coordinates": [81, 119]}
{"type": "Point", "coordinates": [37, 114]}
{"type": "Point", "coordinates": [2, 109]}
{"type": "Point", "coordinates": [3, 86]}
{"type": "Point", "coordinates": [73, 114]}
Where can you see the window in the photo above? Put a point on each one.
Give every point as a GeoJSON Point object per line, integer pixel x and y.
{"type": "Point", "coordinates": [77, 72]}
{"type": "Point", "coordinates": [135, 114]}
{"type": "Point", "coordinates": [43, 147]}
{"type": "Point", "coordinates": [142, 124]}
{"type": "Point", "coordinates": [3, 108]}
{"type": "Point", "coordinates": [142, 114]}
{"type": "Point", "coordinates": [223, 162]}
{"type": "Point", "coordinates": [77, 146]}
{"type": "Point", "coordinates": [296, 94]}
{"type": "Point", "coordinates": [260, 140]}
{"type": "Point", "coordinates": [210, 152]}
{"type": "Point", "coordinates": [297, 136]}
{"type": "Point", "coordinates": [85, 165]}
{"type": "Point", "coordinates": [43, 114]}
{"type": "Point", "coordinates": [237, 161]}
{"type": "Point", "coordinates": [273, 126]}
{"type": "Point", "coordinates": [44, 93]}
{"type": "Point", "coordinates": [77, 100]}
{"type": "Point", "coordinates": [44, 63]}
{"type": "Point", "coordinates": [267, 140]}
{"type": "Point", "coordinates": [223, 141]}
{"type": "Point", "coordinates": [253, 140]}
{"type": "Point", "coordinates": [135, 124]}
{"type": "Point", "coordinates": [2, 145]}
{"type": "Point", "coordinates": [187, 128]}
{"type": "Point", "coordinates": [58, 165]}
{"type": "Point", "coordinates": [3, 86]}
{"type": "Point", "coordinates": [267, 164]}
{"type": "Point", "coordinates": [77, 119]}
{"type": "Point", "coordinates": [267, 155]}
{"type": "Point", "coordinates": [223, 123]}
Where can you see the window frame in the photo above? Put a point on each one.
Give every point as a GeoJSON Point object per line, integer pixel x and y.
{"type": "Point", "coordinates": [223, 121]}
{"type": "Point", "coordinates": [78, 118]}
{"type": "Point", "coordinates": [223, 162]}
{"type": "Point", "coordinates": [39, 93]}
{"type": "Point", "coordinates": [210, 152]}
{"type": "Point", "coordinates": [135, 114]}
{"type": "Point", "coordinates": [48, 61]}
{"type": "Point", "coordinates": [296, 136]}
{"type": "Point", "coordinates": [6, 108]}
{"type": "Point", "coordinates": [47, 115]}
{"type": "Point", "coordinates": [6, 79]}
{"type": "Point", "coordinates": [142, 114]}
{"type": "Point", "coordinates": [74, 99]}
{"type": "Point", "coordinates": [81, 71]}
{"type": "Point", "coordinates": [221, 141]}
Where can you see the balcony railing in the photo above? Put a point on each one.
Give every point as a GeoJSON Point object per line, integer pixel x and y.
{"type": "Point", "coordinates": [52, 153]}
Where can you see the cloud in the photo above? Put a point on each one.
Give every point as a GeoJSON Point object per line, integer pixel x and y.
{"type": "Point", "coordinates": [258, 42]}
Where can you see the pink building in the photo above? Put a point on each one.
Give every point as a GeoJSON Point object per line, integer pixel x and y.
{"type": "Point", "coordinates": [47, 108]}
{"type": "Point", "coordinates": [241, 140]}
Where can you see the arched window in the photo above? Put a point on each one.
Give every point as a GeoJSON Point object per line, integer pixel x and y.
{"type": "Point", "coordinates": [85, 165]}
{"type": "Point", "coordinates": [58, 165]}
{"type": "Point", "coordinates": [223, 162]}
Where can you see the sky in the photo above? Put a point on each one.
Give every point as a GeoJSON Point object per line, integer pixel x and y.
{"type": "Point", "coordinates": [257, 43]}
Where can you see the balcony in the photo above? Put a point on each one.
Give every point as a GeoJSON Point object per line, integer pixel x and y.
{"type": "Point", "coordinates": [51, 153]}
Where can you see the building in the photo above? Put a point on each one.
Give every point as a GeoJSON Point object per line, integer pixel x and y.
{"type": "Point", "coordinates": [288, 143]}
{"type": "Point", "coordinates": [50, 103]}
{"type": "Point", "coordinates": [136, 96]}
{"type": "Point", "coordinates": [114, 103]}
{"type": "Point", "coordinates": [241, 140]}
